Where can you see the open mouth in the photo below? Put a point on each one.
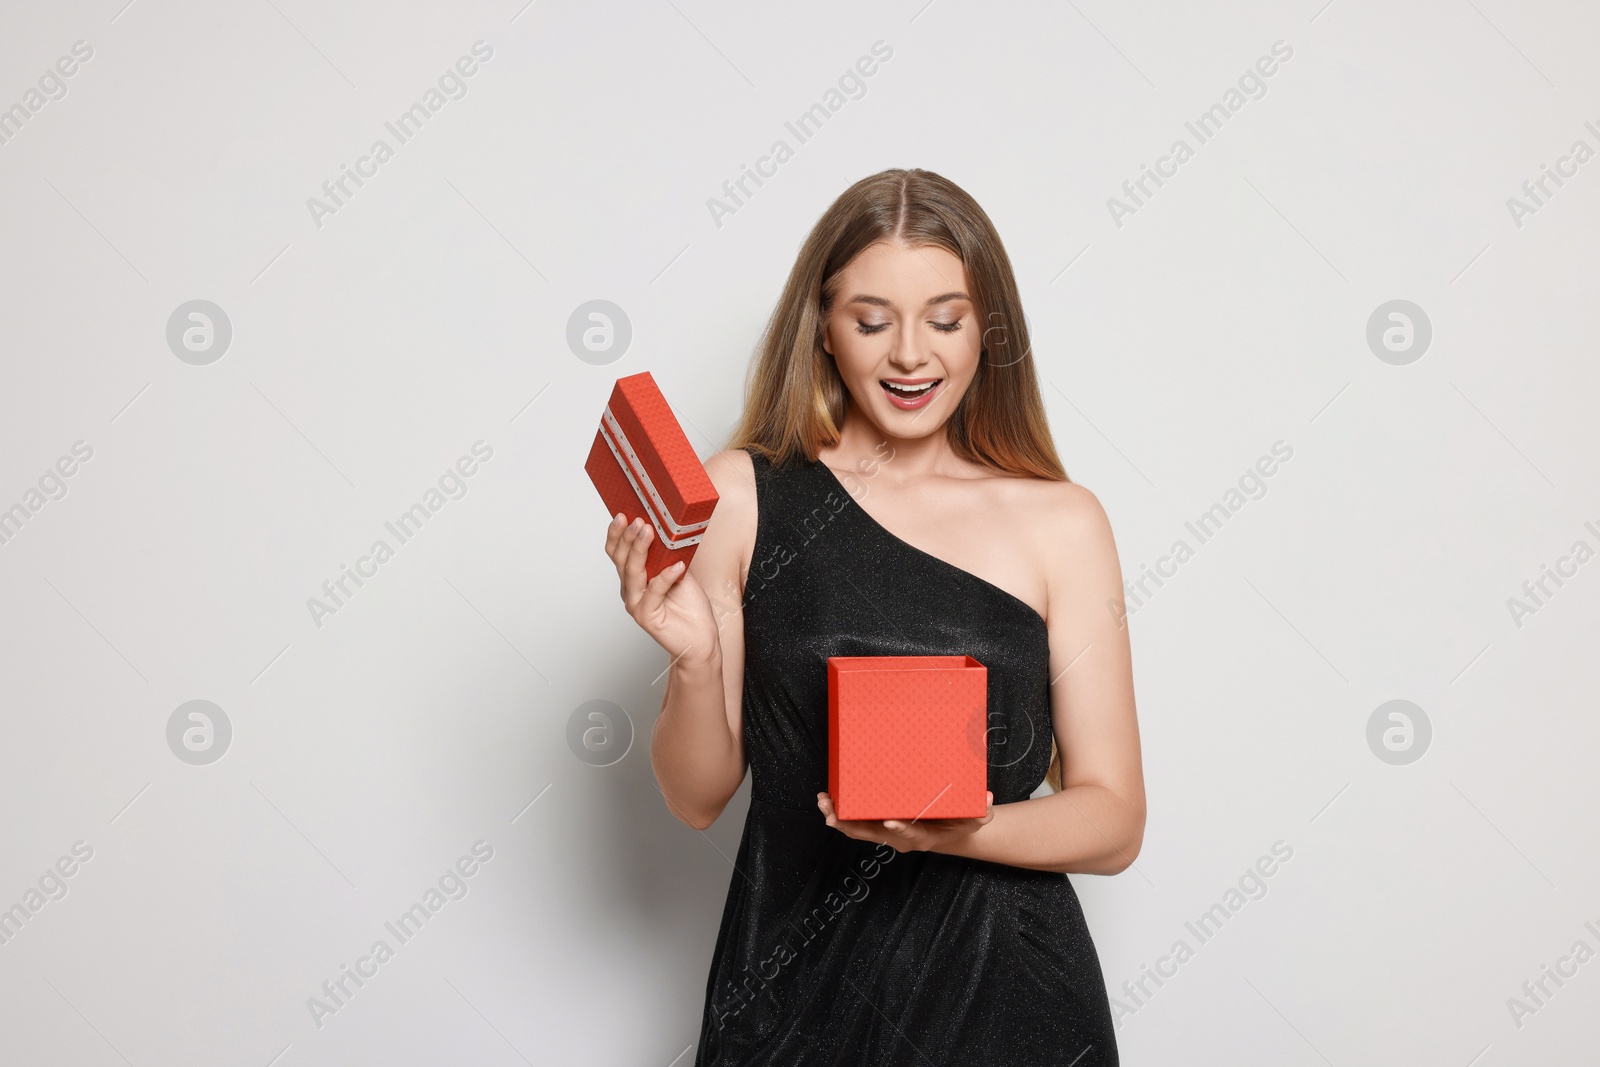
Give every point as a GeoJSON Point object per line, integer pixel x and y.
{"type": "Point", "coordinates": [911, 394]}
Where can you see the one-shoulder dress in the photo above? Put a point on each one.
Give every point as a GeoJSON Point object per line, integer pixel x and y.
{"type": "Point", "coordinates": [834, 951]}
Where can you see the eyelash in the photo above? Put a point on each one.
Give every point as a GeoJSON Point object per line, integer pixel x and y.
{"type": "Point", "coordinates": [942, 327]}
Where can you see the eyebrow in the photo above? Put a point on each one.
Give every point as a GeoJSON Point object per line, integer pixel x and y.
{"type": "Point", "coordinates": [862, 298]}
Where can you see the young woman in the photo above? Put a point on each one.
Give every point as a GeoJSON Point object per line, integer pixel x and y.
{"type": "Point", "coordinates": [892, 489]}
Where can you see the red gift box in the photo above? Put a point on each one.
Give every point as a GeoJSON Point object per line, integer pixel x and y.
{"type": "Point", "coordinates": [907, 737]}
{"type": "Point", "coordinates": [642, 464]}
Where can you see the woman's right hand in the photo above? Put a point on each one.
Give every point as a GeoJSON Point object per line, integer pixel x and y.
{"type": "Point", "coordinates": [672, 607]}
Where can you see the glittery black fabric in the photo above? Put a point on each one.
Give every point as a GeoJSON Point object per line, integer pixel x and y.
{"type": "Point", "coordinates": [834, 951]}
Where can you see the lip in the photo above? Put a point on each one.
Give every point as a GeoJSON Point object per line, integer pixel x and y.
{"type": "Point", "coordinates": [911, 403]}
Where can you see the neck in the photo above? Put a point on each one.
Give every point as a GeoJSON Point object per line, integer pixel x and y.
{"type": "Point", "coordinates": [863, 442]}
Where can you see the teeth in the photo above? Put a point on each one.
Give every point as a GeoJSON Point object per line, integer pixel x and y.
{"type": "Point", "coordinates": [911, 390]}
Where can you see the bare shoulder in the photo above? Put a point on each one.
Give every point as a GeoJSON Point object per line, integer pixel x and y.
{"type": "Point", "coordinates": [722, 558]}
{"type": "Point", "coordinates": [732, 529]}
{"type": "Point", "coordinates": [1069, 534]}
{"type": "Point", "coordinates": [733, 475]}
{"type": "Point", "coordinates": [1052, 510]}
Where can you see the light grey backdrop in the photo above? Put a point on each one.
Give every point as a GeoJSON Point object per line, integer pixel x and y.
{"type": "Point", "coordinates": [1439, 857]}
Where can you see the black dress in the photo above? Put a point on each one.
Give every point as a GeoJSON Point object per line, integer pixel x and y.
{"type": "Point", "coordinates": [834, 951]}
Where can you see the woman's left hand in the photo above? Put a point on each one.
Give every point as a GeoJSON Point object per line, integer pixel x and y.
{"type": "Point", "coordinates": [917, 835]}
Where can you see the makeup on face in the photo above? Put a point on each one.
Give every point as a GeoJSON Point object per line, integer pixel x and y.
{"type": "Point", "coordinates": [904, 393]}
{"type": "Point", "coordinates": [909, 394]}
{"type": "Point", "coordinates": [911, 344]}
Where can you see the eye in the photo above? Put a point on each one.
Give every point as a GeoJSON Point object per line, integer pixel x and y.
{"type": "Point", "coordinates": [946, 327]}
{"type": "Point", "coordinates": [871, 327]}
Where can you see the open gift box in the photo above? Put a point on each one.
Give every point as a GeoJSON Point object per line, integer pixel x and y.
{"type": "Point", "coordinates": [908, 737]}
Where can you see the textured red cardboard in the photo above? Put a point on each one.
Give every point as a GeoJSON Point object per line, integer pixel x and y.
{"type": "Point", "coordinates": [907, 737]}
{"type": "Point", "coordinates": [643, 465]}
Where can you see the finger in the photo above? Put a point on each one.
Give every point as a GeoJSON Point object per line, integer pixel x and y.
{"type": "Point", "coordinates": [668, 575]}
{"type": "Point", "coordinates": [613, 527]}
{"type": "Point", "coordinates": [625, 542]}
{"type": "Point", "coordinates": [655, 590]}
{"type": "Point", "coordinates": [633, 578]}
{"type": "Point", "coordinates": [871, 830]}
{"type": "Point", "coordinates": [863, 829]}
{"type": "Point", "coordinates": [645, 597]}
{"type": "Point", "coordinates": [613, 536]}
{"type": "Point", "coordinates": [825, 802]}
{"type": "Point", "coordinates": [618, 526]}
{"type": "Point", "coordinates": [617, 542]}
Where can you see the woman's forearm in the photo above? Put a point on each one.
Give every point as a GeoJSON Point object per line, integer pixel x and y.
{"type": "Point", "coordinates": [696, 758]}
{"type": "Point", "coordinates": [1086, 829]}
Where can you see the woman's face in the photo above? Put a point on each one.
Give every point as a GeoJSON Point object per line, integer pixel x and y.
{"type": "Point", "coordinates": [904, 315]}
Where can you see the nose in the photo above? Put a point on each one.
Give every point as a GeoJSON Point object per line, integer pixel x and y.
{"type": "Point", "coordinates": [910, 352]}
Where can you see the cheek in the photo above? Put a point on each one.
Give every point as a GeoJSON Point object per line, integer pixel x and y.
{"type": "Point", "coordinates": [850, 349]}
{"type": "Point", "coordinates": [964, 353]}
{"type": "Point", "coordinates": [833, 337]}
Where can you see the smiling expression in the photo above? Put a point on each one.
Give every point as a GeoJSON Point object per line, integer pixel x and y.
{"type": "Point", "coordinates": [903, 333]}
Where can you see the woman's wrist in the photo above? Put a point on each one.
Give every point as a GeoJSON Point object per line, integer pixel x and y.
{"type": "Point", "coordinates": [970, 845]}
{"type": "Point", "coordinates": [694, 664]}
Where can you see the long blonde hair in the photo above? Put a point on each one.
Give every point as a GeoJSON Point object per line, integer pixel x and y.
{"type": "Point", "coordinates": [795, 400]}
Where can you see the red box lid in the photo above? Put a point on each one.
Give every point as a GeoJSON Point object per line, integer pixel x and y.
{"type": "Point", "coordinates": [663, 451]}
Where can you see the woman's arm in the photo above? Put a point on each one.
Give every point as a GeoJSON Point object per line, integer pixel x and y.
{"type": "Point", "coordinates": [1095, 825]}
{"type": "Point", "coordinates": [697, 747]}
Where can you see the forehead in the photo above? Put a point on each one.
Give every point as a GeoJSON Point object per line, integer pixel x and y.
{"type": "Point", "coordinates": [902, 274]}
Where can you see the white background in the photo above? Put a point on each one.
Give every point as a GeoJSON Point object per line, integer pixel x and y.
{"type": "Point", "coordinates": [429, 312]}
